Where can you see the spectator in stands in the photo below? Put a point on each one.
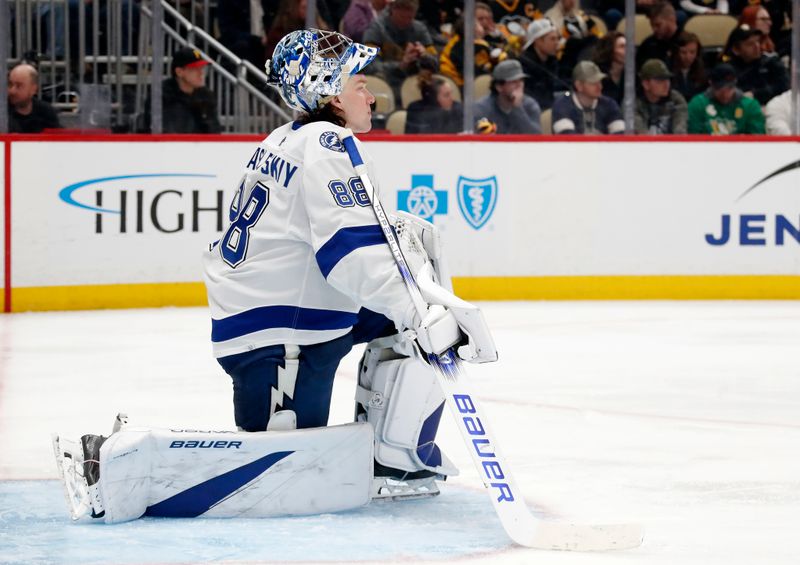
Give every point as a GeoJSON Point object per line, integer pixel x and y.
{"type": "Point", "coordinates": [539, 62]}
{"type": "Point", "coordinates": [439, 16]}
{"type": "Point", "coordinates": [759, 76]}
{"type": "Point", "coordinates": [585, 110]}
{"type": "Point", "coordinates": [187, 105]}
{"type": "Point", "coordinates": [451, 60]}
{"type": "Point", "coordinates": [609, 54]}
{"type": "Point", "coordinates": [26, 113]}
{"type": "Point", "coordinates": [757, 17]}
{"type": "Point", "coordinates": [578, 32]}
{"type": "Point", "coordinates": [779, 114]}
{"type": "Point", "coordinates": [520, 10]}
{"type": "Point", "coordinates": [723, 109]}
{"type": "Point", "coordinates": [291, 16]}
{"type": "Point", "coordinates": [687, 66]}
{"type": "Point", "coordinates": [695, 7]}
{"type": "Point", "coordinates": [492, 33]}
{"type": "Point", "coordinates": [507, 108]}
{"type": "Point", "coordinates": [405, 43]}
{"type": "Point", "coordinates": [437, 111]}
{"type": "Point", "coordinates": [660, 45]}
{"type": "Point", "coordinates": [242, 29]}
{"type": "Point", "coordinates": [359, 15]}
{"type": "Point", "coordinates": [659, 109]}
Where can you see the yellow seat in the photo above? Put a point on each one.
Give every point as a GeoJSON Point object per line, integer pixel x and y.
{"type": "Point", "coordinates": [546, 119]}
{"type": "Point", "coordinates": [641, 28]}
{"type": "Point", "coordinates": [409, 90]}
{"type": "Point", "coordinates": [482, 86]}
{"type": "Point", "coordinates": [384, 97]}
{"type": "Point", "coordinates": [397, 122]}
{"type": "Point", "coordinates": [712, 29]}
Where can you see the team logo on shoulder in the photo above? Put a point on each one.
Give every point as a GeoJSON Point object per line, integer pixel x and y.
{"type": "Point", "coordinates": [329, 140]}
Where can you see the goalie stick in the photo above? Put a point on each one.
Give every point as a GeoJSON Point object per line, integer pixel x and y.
{"type": "Point", "coordinates": [515, 517]}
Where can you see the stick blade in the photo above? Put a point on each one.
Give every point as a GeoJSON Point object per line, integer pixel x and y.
{"type": "Point", "coordinates": [582, 537]}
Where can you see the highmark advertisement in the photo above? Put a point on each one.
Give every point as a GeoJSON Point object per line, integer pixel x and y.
{"type": "Point", "coordinates": [106, 215]}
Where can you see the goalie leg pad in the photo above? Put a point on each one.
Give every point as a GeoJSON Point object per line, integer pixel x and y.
{"type": "Point", "coordinates": [399, 395]}
{"type": "Point", "coordinates": [190, 473]}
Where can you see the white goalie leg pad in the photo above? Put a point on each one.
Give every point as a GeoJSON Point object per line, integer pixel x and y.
{"type": "Point", "coordinates": [399, 395]}
{"type": "Point", "coordinates": [190, 473]}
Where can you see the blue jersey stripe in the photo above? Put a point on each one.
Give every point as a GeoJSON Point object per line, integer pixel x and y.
{"type": "Point", "coordinates": [271, 317]}
{"type": "Point", "coordinates": [343, 242]}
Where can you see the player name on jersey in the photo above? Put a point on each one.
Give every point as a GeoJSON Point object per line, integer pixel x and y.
{"type": "Point", "coordinates": [270, 164]}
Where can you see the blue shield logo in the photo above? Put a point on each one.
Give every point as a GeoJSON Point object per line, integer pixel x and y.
{"type": "Point", "coordinates": [477, 199]}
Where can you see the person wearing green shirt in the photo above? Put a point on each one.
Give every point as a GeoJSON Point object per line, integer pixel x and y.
{"type": "Point", "coordinates": [723, 109]}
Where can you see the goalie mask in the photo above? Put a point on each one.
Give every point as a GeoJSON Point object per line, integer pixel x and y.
{"type": "Point", "coordinates": [309, 66]}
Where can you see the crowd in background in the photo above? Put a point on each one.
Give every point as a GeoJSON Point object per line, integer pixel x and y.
{"type": "Point", "coordinates": [551, 66]}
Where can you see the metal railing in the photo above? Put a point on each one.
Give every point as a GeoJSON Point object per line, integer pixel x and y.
{"type": "Point", "coordinates": [239, 87]}
{"type": "Point", "coordinates": [95, 61]}
{"type": "Point", "coordinates": [73, 43]}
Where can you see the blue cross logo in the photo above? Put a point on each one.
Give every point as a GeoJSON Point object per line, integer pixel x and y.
{"type": "Point", "coordinates": [422, 199]}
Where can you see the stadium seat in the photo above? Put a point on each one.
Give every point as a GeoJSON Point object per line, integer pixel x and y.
{"type": "Point", "coordinates": [384, 97]}
{"type": "Point", "coordinates": [482, 86]}
{"type": "Point", "coordinates": [712, 29]}
{"type": "Point", "coordinates": [409, 90]}
{"type": "Point", "coordinates": [599, 24]}
{"type": "Point", "coordinates": [546, 119]}
{"type": "Point", "coordinates": [642, 29]}
{"type": "Point", "coordinates": [396, 123]}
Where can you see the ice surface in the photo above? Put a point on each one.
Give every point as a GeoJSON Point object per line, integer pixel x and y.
{"type": "Point", "coordinates": [682, 416]}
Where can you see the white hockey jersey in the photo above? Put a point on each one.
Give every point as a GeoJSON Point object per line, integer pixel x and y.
{"type": "Point", "coordinates": [303, 251]}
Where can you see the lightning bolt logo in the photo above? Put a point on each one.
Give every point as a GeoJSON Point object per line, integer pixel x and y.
{"type": "Point", "coordinates": [287, 377]}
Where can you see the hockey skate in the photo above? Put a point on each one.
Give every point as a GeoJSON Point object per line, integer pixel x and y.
{"type": "Point", "coordinates": [393, 484]}
{"type": "Point", "coordinates": [78, 466]}
{"type": "Point", "coordinates": [69, 462]}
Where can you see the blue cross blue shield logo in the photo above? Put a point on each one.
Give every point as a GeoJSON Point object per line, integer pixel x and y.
{"type": "Point", "coordinates": [477, 199]}
{"type": "Point", "coordinates": [422, 200]}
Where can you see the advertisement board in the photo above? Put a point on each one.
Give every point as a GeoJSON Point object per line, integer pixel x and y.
{"type": "Point", "coordinates": [124, 223]}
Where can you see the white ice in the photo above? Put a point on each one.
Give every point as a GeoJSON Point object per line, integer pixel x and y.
{"type": "Point", "coordinates": [681, 416]}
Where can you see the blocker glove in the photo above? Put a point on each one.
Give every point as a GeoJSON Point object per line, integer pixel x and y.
{"type": "Point", "coordinates": [451, 322]}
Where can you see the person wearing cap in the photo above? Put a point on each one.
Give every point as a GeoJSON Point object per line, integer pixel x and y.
{"type": "Point", "coordinates": [723, 109]}
{"type": "Point", "coordinates": [585, 110]}
{"type": "Point", "coordinates": [187, 105]}
{"type": "Point", "coordinates": [659, 109]}
{"type": "Point", "coordinates": [545, 76]}
{"type": "Point", "coordinates": [759, 76]}
{"type": "Point", "coordinates": [507, 106]}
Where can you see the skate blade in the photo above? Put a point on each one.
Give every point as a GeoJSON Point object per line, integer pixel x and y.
{"type": "Point", "coordinates": [388, 489]}
{"type": "Point", "coordinates": [69, 464]}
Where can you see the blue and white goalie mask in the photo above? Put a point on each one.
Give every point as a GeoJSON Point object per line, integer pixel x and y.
{"type": "Point", "coordinates": [309, 66]}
